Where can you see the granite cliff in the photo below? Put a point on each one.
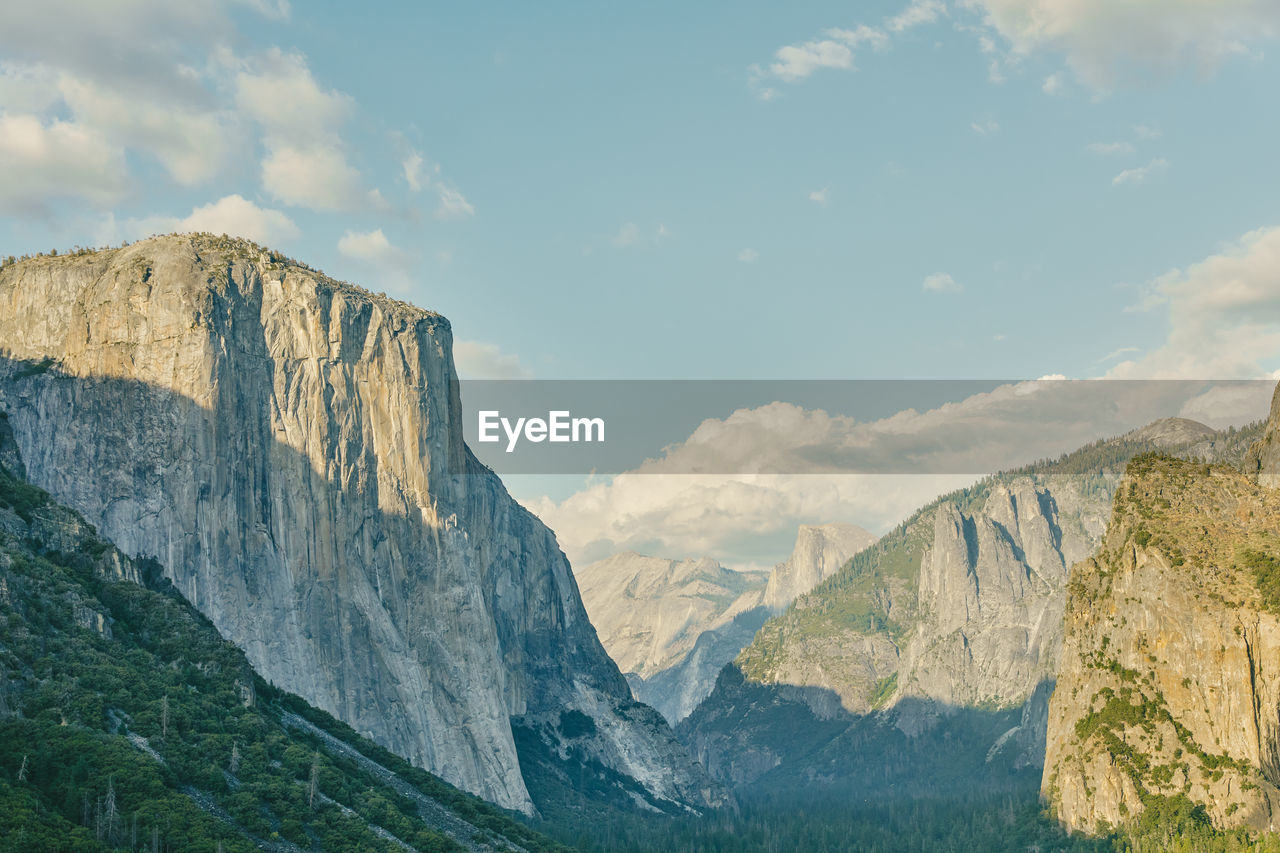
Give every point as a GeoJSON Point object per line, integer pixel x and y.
{"type": "Point", "coordinates": [289, 449]}
{"type": "Point", "coordinates": [1168, 692]}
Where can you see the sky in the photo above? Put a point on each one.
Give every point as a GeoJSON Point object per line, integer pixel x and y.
{"type": "Point", "coordinates": [905, 189]}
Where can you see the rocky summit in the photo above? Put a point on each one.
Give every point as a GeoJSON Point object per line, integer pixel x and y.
{"type": "Point", "coordinates": [289, 449]}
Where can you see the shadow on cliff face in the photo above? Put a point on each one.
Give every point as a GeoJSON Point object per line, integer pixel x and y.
{"type": "Point", "coordinates": [432, 629]}
{"type": "Point", "coordinates": [790, 742]}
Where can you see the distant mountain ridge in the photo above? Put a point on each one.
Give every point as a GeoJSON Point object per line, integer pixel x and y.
{"type": "Point", "coordinates": [932, 652]}
{"type": "Point", "coordinates": [671, 625]}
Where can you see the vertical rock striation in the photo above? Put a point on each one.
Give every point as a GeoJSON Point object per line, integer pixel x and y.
{"type": "Point", "coordinates": [1168, 691]}
{"type": "Point", "coordinates": [290, 449]}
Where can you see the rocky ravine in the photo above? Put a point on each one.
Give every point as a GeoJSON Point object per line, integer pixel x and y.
{"type": "Point", "coordinates": [671, 625]}
{"type": "Point", "coordinates": [1169, 686]}
{"type": "Point", "coordinates": [290, 449]}
{"type": "Point", "coordinates": [945, 634]}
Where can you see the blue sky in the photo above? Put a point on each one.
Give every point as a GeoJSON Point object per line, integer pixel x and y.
{"type": "Point", "coordinates": [662, 190]}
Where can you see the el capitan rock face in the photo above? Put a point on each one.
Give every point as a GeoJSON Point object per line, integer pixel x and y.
{"type": "Point", "coordinates": [289, 448]}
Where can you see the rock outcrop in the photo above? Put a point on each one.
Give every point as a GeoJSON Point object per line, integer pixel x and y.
{"type": "Point", "coordinates": [1168, 690]}
{"type": "Point", "coordinates": [289, 448]}
{"type": "Point", "coordinates": [819, 553]}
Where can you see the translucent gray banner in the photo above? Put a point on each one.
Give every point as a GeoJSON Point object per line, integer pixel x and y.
{"type": "Point", "coordinates": [833, 426]}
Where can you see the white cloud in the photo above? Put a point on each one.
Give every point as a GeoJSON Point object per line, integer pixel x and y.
{"type": "Point", "coordinates": [306, 162]}
{"type": "Point", "coordinates": [478, 360]}
{"type": "Point", "coordinates": [985, 126]}
{"type": "Point", "coordinates": [42, 162]}
{"type": "Point", "coordinates": [941, 282]}
{"type": "Point", "coordinates": [1140, 174]}
{"type": "Point", "coordinates": [392, 267]}
{"type": "Point", "coordinates": [820, 196]}
{"type": "Point", "coordinates": [452, 204]}
{"type": "Point", "coordinates": [232, 215]}
{"type": "Point", "coordinates": [1111, 148]}
{"type": "Point", "coordinates": [1108, 42]}
{"type": "Point", "coordinates": [797, 61]}
{"type": "Point", "coordinates": [1145, 131]}
{"type": "Point", "coordinates": [413, 176]}
{"type": "Point", "coordinates": [317, 177]}
{"type": "Point", "coordinates": [748, 256]}
{"type": "Point", "coordinates": [749, 517]}
{"type": "Point", "coordinates": [280, 93]}
{"type": "Point", "coordinates": [1223, 314]}
{"type": "Point", "coordinates": [371, 247]}
{"type": "Point", "coordinates": [860, 35]}
{"type": "Point", "coordinates": [918, 13]}
{"type": "Point", "coordinates": [1052, 84]}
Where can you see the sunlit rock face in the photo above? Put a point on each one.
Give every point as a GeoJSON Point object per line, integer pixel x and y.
{"type": "Point", "coordinates": [290, 449]}
{"type": "Point", "coordinates": [1168, 686]}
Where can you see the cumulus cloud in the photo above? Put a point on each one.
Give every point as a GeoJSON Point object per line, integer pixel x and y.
{"type": "Point", "coordinates": [232, 215]}
{"type": "Point", "coordinates": [173, 84]}
{"type": "Point", "coordinates": [1052, 84]}
{"type": "Point", "coordinates": [747, 514]}
{"type": "Point", "coordinates": [820, 196]}
{"type": "Point", "coordinates": [394, 267]}
{"type": "Point", "coordinates": [795, 62]}
{"type": "Point", "coordinates": [1109, 42]}
{"type": "Point", "coordinates": [306, 162]}
{"type": "Point", "coordinates": [479, 360]}
{"type": "Point", "coordinates": [128, 75]}
{"type": "Point", "coordinates": [1140, 174]}
{"type": "Point", "coordinates": [1223, 315]}
{"type": "Point", "coordinates": [748, 256]}
{"type": "Point", "coordinates": [985, 126]}
{"type": "Point", "coordinates": [941, 282]}
{"type": "Point", "coordinates": [41, 162]}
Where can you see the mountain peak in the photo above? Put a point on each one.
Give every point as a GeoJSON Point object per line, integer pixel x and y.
{"type": "Point", "coordinates": [1170, 432]}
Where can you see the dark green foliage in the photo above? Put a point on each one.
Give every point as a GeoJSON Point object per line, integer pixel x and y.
{"type": "Point", "coordinates": [19, 496]}
{"type": "Point", "coordinates": [35, 369]}
{"type": "Point", "coordinates": [115, 694]}
{"type": "Point", "coordinates": [1265, 570]}
{"type": "Point", "coordinates": [1005, 823]}
{"type": "Point", "coordinates": [574, 723]}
